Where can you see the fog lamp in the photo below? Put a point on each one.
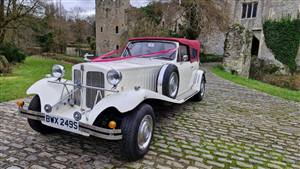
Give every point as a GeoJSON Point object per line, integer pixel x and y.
{"type": "Point", "coordinates": [112, 124]}
{"type": "Point", "coordinates": [77, 116]}
{"type": "Point", "coordinates": [20, 103]}
{"type": "Point", "coordinates": [48, 108]}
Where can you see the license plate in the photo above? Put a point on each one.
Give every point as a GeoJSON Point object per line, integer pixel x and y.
{"type": "Point", "coordinates": [62, 123]}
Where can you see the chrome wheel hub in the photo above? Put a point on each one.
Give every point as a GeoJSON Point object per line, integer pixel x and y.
{"type": "Point", "coordinates": [173, 84]}
{"type": "Point", "coordinates": [145, 132]}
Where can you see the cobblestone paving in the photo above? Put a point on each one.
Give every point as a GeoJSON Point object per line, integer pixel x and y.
{"type": "Point", "coordinates": [234, 127]}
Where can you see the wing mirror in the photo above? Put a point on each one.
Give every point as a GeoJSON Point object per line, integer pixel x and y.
{"type": "Point", "coordinates": [185, 58]}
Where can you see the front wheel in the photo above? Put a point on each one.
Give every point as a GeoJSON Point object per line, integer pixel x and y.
{"type": "Point", "coordinates": [35, 105]}
{"type": "Point", "coordinates": [137, 131]}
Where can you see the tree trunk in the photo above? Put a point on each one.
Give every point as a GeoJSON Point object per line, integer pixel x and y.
{"type": "Point", "coordinates": [2, 35]}
{"type": "Point", "coordinates": [1, 10]}
{"type": "Point", "coordinates": [2, 30]}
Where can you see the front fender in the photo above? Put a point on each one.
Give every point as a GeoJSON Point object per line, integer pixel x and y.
{"type": "Point", "coordinates": [127, 101]}
{"type": "Point", "coordinates": [49, 93]}
{"type": "Point", "coordinates": [123, 102]}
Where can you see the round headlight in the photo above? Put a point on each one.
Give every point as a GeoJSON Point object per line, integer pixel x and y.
{"type": "Point", "coordinates": [58, 71]}
{"type": "Point", "coordinates": [114, 77]}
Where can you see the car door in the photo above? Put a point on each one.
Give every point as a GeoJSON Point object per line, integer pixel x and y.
{"type": "Point", "coordinates": [185, 69]}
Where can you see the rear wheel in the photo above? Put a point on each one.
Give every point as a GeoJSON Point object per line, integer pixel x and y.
{"type": "Point", "coordinates": [35, 105]}
{"type": "Point", "coordinates": [200, 95]}
{"type": "Point", "coordinates": [137, 129]}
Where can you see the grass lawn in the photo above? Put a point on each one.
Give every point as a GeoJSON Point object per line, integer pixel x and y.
{"type": "Point", "coordinates": [14, 85]}
{"type": "Point", "coordinates": [263, 87]}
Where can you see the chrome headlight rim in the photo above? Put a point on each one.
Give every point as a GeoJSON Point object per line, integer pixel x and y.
{"type": "Point", "coordinates": [114, 77]}
{"type": "Point", "coordinates": [58, 71]}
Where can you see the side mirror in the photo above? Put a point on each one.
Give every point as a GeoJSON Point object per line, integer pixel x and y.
{"type": "Point", "coordinates": [185, 58]}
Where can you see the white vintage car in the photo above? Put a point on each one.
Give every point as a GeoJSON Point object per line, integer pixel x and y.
{"type": "Point", "coordinates": [112, 97]}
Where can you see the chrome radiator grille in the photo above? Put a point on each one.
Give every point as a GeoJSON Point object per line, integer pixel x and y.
{"type": "Point", "coordinates": [77, 80]}
{"type": "Point", "coordinates": [94, 79]}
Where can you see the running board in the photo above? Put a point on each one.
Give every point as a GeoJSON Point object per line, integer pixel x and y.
{"type": "Point", "coordinates": [187, 95]}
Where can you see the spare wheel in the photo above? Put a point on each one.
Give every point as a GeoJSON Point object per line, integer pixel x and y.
{"type": "Point", "coordinates": [168, 81]}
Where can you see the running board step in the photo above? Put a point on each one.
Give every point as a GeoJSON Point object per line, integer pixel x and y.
{"type": "Point", "coordinates": [187, 95]}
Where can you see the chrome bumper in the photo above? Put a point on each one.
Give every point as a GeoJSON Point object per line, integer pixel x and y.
{"type": "Point", "coordinates": [108, 134]}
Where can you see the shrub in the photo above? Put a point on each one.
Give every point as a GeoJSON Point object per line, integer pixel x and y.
{"type": "Point", "coordinates": [46, 41]}
{"type": "Point", "coordinates": [12, 53]}
{"type": "Point", "coordinates": [290, 82]}
{"type": "Point", "coordinates": [65, 58]}
{"type": "Point", "coordinates": [207, 58]}
{"type": "Point", "coordinates": [4, 65]}
{"type": "Point", "coordinates": [283, 38]}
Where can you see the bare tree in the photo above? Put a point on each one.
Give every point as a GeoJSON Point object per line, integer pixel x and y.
{"type": "Point", "coordinates": [12, 11]}
{"type": "Point", "coordinates": [204, 16]}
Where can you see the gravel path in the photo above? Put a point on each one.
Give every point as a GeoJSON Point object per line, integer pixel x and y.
{"type": "Point", "coordinates": [234, 127]}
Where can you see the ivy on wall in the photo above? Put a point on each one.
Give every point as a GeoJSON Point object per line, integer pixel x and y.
{"type": "Point", "coordinates": [283, 38]}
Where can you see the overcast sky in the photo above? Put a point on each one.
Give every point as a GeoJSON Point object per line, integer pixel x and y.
{"type": "Point", "coordinates": [89, 5]}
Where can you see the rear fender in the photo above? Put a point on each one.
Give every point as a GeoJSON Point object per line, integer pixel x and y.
{"type": "Point", "coordinates": [199, 74]}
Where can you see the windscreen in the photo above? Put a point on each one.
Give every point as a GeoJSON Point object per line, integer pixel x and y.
{"type": "Point", "coordinates": [153, 49]}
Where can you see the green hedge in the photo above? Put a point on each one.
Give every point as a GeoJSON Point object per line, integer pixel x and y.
{"type": "Point", "coordinates": [207, 58]}
{"type": "Point", "coordinates": [283, 38]}
{"type": "Point", "coordinates": [12, 53]}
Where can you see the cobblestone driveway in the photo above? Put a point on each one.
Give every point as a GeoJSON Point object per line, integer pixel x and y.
{"type": "Point", "coordinates": [234, 127]}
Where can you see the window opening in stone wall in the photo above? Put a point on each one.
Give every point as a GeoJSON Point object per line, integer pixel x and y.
{"type": "Point", "coordinates": [254, 11]}
{"type": "Point", "coordinates": [106, 12]}
{"type": "Point", "coordinates": [101, 29]}
{"type": "Point", "coordinates": [249, 10]}
{"type": "Point", "coordinates": [244, 11]}
{"type": "Point", "coordinates": [117, 29]}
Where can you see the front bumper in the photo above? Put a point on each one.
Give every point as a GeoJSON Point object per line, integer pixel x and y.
{"type": "Point", "coordinates": [108, 134]}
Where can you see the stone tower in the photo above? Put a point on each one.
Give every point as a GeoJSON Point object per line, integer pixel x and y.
{"type": "Point", "coordinates": [111, 17]}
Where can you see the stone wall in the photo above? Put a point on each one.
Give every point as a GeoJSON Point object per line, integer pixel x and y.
{"type": "Point", "coordinates": [267, 9]}
{"type": "Point", "coordinates": [113, 13]}
{"type": "Point", "coordinates": [110, 24]}
{"type": "Point", "coordinates": [237, 57]}
{"type": "Point", "coordinates": [276, 9]}
{"type": "Point", "coordinates": [213, 43]}
{"type": "Point", "coordinates": [249, 23]}
{"type": "Point", "coordinates": [213, 40]}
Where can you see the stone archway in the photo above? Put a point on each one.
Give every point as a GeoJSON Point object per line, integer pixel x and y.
{"type": "Point", "coordinates": [255, 46]}
{"type": "Point", "coordinates": [256, 63]}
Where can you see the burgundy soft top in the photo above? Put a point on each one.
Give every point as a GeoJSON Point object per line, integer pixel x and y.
{"type": "Point", "coordinates": [192, 43]}
{"type": "Point", "coordinates": [195, 44]}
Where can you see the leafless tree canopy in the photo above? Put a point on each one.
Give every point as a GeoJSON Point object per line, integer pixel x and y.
{"type": "Point", "coordinates": [11, 11]}
{"type": "Point", "coordinates": [194, 16]}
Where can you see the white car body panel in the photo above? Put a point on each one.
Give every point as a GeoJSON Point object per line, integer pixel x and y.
{"type": "Point", "coordinates": [49, 93]}
{"type": "Point", "coordinates": [139, 83]}
{"type": "Point", "coordinates": [122, 101]}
